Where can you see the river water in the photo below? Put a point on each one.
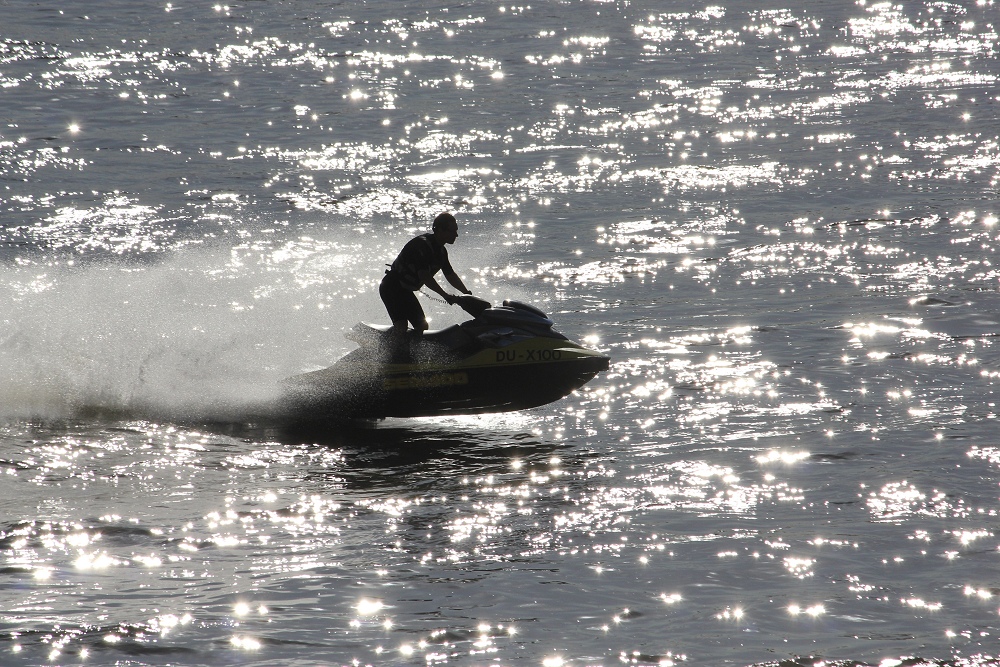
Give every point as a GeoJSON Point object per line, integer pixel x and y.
{"type": "Point", "coordinates": [778, 219]}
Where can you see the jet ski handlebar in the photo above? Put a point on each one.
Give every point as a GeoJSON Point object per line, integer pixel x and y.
{"type": "Point", "coordinates": [473, 305]}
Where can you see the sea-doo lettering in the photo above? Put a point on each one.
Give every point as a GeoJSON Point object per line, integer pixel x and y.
{"type": "Point", "coordinates": [426, 381]}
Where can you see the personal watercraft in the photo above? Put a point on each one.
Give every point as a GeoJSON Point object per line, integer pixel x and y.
{"type": "Point", "coordinates": [505, 358]}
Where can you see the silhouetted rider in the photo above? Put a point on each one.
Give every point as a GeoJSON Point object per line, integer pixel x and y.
{"type": "Point", "coordinates": [415, 266]}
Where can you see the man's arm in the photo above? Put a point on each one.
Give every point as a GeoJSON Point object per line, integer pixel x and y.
{"type": "Point", "coordinates": [428, 280]}
{"type": "Point", "coordinates": [455, 281]}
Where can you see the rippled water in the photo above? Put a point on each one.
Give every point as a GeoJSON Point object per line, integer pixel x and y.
{"type": "Point", "coordinates": [779, 221]}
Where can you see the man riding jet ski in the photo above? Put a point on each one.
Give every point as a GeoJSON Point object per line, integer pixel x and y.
{"type": "Point", "coordinates": [415, 266]}
{"type": "Point", "coordinates": [505, 358]}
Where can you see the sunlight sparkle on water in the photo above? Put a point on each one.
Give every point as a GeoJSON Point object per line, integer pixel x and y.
{"type": "Point", "coordinates": [808, 363]}
{"type": "Point", "coordinates": [800, 567]}
{"type": "Point", "coordinates": [922, 604]}
{"type": "Point", "coordinates": [814, 610]}
{"type": "Point", "coordinates": [730, 613]}
{"type": "Point", "coordinates": [245, 643]}
{"type": "Point", "coordinates": [787, 457]}
{"type": "Point", "coordinates": [367, 607]}
{"type": "Point", "coordinates": [981, 593]}
{"type": "Point", "coordinates": [871, 329]}
{"type": "Point", "coordinates": [96, 561]}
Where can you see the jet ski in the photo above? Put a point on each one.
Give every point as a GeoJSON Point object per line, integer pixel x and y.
{"type": "Point", "coordinates": [505, 358]}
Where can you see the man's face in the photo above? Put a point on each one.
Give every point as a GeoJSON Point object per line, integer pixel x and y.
{"type": "Point", "coordinates": [449, 233]}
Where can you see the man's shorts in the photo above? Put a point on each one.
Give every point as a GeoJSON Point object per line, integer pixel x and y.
{"type": "Point", "coordinates": [401, 303]}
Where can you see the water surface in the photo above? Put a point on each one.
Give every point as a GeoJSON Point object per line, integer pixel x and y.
{"type": "Point", "coordinates": [779, 222]}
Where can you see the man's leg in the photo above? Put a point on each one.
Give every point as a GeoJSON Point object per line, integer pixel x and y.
{"type": "Point", "coordinates": [415, 313]}
{"type": "Point", "coordinates": [395, 297]}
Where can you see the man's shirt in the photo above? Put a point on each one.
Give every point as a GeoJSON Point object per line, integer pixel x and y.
{"type": "Point", "coordinates": [421, 253]}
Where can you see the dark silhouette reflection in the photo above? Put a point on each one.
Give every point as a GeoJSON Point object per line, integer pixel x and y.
{"type": "Point", "coordinates": [406, 454]}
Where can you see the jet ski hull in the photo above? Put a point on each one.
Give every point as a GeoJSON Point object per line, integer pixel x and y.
{"type": "Point", "coordinates": [518, 377]}
{"type": "Point", "coordinates": [506, 358]}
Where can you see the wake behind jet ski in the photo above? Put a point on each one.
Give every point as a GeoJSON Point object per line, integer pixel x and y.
{"type": "Point", "coordinates": [505, 358]}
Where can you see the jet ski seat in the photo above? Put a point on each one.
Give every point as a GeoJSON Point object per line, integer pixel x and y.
{"type": "Point", "coordinates": [453, 337]}
{"type": "Point", "coordinates": [373, 335]}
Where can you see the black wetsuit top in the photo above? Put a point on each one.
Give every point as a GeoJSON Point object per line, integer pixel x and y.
{"type": "Point", "coordinates": [421, 253]}
{"type": "Point", "coordinates": [402, 280]}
